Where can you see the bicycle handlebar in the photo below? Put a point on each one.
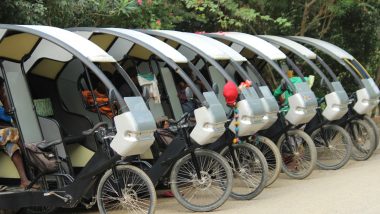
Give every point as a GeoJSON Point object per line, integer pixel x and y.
{"type": "Point", "coordinates": [184, 116]}
{"type": "Point", "coordinates": [93, 129]}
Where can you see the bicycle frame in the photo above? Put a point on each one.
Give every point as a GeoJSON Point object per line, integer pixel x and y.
{"type": "Point", "coordinates": [70, 195]}
{"type": "Point", "coordinates": [178, 148]}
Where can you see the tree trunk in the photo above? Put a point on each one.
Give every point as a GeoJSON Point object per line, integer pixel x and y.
{"type": "Point", "coordinates": [305, 16]}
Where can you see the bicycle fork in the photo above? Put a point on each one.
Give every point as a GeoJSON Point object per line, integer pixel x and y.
{"type": "Point", "coordinates": [234, 158]}
{"type": "Point", "coordinates": [196, 165]}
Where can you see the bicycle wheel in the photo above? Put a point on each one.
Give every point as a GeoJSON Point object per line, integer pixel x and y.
{"type": "Point", "coordinates": [298, 153]}
{"type": "Point", "coordinates": [250, 173]}
{"type": "Point", "coordinates": [207, 193]}
{"type": "Point", "coordinates": [333, 145]}
{"type": "Point", "coordinates": [271, 154]}
{"type": "Point", "coordinates": [375, 129]}
{"type": "Point", "coordinates": [363, 139]}
{"type": "Point", "coordinates": [137, 191]}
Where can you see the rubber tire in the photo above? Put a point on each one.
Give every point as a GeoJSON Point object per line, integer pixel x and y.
{"type": "Point", "coordinates": [375, 129]}
{"type": "Point", "coordinates": [137, 171]}
{"type": "Point", "coordinates": [348, 144]}
{"type": "Point", "coordinates": [263, 164]}
{"type": "Point", "coordinates": [276, 152]}
{"type": "Point", "coordinates": [32, 211]}
{"type": "Point", "coordinates": [369, 129]}
{"type": "Point", "coordinates": [6, 211]}
{"type": "Point", "coordinates": [313, 153]}
{"type": "Point", "coordinates": [178, 195]}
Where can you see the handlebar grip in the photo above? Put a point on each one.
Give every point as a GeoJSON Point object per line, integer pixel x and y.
{"type": "Point", "coordinates": [184, 116]}
{"type": "Point", "coordinates": [93, 129]}
{"type": "Point", "coordinates": [173, 122]}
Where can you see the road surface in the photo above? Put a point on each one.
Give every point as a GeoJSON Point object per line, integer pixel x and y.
{"type": "Point", "coordinates": [352, 189]}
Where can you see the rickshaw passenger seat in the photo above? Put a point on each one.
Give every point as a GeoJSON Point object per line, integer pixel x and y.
{"type": "Point", "coordinates": [71, 124]}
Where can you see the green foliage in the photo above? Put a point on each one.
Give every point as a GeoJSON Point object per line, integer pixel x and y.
{"type": "Point", "coordinates": [211, 15]}
{"type": "Point", "coordinates": [353, 25]}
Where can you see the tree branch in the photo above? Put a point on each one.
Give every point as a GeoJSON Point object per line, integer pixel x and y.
{"type": "Point", "coordinates": [305, 15]}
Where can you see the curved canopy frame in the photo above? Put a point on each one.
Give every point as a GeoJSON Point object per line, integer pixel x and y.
{"type": "Point", "coordinates": [304, 53]}
{"type": "Point", "coordinates": [235, 57]}
{"type": "Point", "coordinates": [332, 50]}
{"type": "Point", "coordinates": [204, 49]}
{"type": "Point", "coordinates": [152, 44]}
{"type": "Point", "coordinates": [84, 50]}
{"type": "Point", "coordinates": [259, 46]}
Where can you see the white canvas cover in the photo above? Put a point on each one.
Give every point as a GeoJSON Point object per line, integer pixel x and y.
{"type": "Point", "coordinates": [72, 40]}
{"type": "Point", "coordinates": [332, 49]}
{"type": "Point", "coordinates": [294, 45]}
{"type": "Point", "coordinates": [255, 44]}
{"type": "Point", "coordinates": [160, 46]}
{"type": "Point", "coordinates": [200, 44]}
{"type": "Point", "coordinates": [223, 47]}
{"type": "Point", "coordinates": [82, 45]}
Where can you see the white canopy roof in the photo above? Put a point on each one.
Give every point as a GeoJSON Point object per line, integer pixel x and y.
{"type": "Point", "coordinates": [234, 55]}
{"type": "Point", "coordinates": [332, 49]}
{"type": "Point", "coordinates": [82, 45]}
{"type": "Point", "coordinates": [201, 44]}
{"type": "Point", "coordinates": [159, 45]}
{"type": "Point", "coordinates": [294, 45]}
{"type": "Point", "coordinates": [255, 44]}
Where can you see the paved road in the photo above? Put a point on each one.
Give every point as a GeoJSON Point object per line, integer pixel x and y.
{"type": "Point", "coordinates": [353, 189]}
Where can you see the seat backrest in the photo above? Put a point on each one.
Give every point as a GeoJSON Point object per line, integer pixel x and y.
{"type": "Point", "coordinates": [71, 97]}
{"type": "Point", "coordinates": [171, 90]}
{"type": "Point", "coordinates": [217, 77]}
{"type": "Point", "coordinates": [52, 131]}
{"type": "Point", "coordinates": [28, 122]}
{"type": "Point", "coordinates": [71, 123]}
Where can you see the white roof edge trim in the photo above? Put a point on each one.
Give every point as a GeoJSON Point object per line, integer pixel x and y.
{"type": "Point", "coordinates": [157, 44]}
{"type": "Point", "coordinates": [2, 32]}
{"type": "Point", "coordinates": [84, 34]}
{"type": "Point", "coordinates": [99, 58]}
{"type": "Point", "coordinates": [331, 48]}
{"type": "Point", "coordinates": [200, 44]}
{"type": "Point", "coordinates": [75, 41]}
{"type": "Point", "coordinates": [255, 43]}
{"type": "Point", "coordinates": [234, 55]}
{"type": "Point", "coordinates": [306, 52]}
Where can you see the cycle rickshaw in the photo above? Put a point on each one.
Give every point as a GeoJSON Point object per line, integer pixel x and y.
{"type": "Point", "coordinates": [34, 62]}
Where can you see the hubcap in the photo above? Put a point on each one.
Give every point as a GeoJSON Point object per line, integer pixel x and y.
{"type": "Point", "coordinates": [204, 183]}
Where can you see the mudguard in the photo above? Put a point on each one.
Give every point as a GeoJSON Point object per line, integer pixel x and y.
{"type": "Point", "coordinates": [302, 105]}
{"type": "Point", "coordinates": [251, 114]}
{"type": "Point", "coordinates": [270, 105]}
{"type": "Point", "coordinates": [336, 103]}
{"type": "Point", "coordinates": [210, 121]}
{"type": "Point", "coordinates": [135, 129]}
{"type": "Point", "coordinates": [367, 97]}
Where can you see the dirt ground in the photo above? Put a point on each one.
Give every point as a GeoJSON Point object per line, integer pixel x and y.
{"type": "Point", "coordinates": [353, 189]}
{"type": "Point", "coordinates": [350, 190]}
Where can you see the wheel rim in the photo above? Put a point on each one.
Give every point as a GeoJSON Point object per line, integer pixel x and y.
{"type": "Point", "coordinates": [296, 156]}
{"type": "Point", "coordinates": [330, 145]}
{"type": "Point", "coordinates": [207, 190]}
{"type": "Point", "coordinates": [249, 174]}
{"type": "Point", "coordinates": [270, 157]}
{"type": "Point", "coordinates": [360, 139]}
{"type": "Point", "coordinates": [134, 197]}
